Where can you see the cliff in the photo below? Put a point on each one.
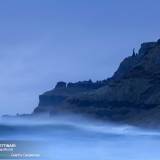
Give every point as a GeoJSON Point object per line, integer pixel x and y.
{"type": "Point", "coordinates": [131, 95]}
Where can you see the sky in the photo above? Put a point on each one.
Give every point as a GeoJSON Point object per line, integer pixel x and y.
{"type": "Point", "coordinates": [45, 41]}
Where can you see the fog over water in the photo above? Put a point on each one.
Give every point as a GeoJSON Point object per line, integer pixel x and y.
{"type": "Point", "coordinates": [81, 139]}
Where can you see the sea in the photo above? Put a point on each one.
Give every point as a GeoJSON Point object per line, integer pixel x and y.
{"type": "Point", "coordinates": [72, 138]}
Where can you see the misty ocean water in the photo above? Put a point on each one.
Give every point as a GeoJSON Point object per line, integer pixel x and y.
{"type": "Point", "coordinates": [83, 140]}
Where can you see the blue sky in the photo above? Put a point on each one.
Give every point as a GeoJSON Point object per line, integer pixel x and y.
{"type": "Point", "coordinates": [44, 41]}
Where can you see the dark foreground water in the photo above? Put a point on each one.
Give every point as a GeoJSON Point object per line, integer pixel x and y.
{"type": "Point", "coordinates": [79, 140]}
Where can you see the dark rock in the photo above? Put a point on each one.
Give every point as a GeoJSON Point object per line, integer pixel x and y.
{"type": "Point", "coordinates": [61, 85]}
{"type": "Point", "coordinates": [158, 42]}
{"type": "Point", "coordinates": [131, 95]}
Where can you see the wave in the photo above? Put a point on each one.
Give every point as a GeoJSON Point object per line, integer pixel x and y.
{"type": "Point", "coordinates": [66, 127]}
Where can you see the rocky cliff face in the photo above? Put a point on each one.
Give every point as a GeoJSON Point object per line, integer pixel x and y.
{"type": "Point", "coordinates": [52, 101]}
{"type": "Point", "coordinates": [131, 95]}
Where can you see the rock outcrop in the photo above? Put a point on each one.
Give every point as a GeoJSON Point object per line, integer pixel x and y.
{"type": "Point", "coordinates": [131, 95]}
